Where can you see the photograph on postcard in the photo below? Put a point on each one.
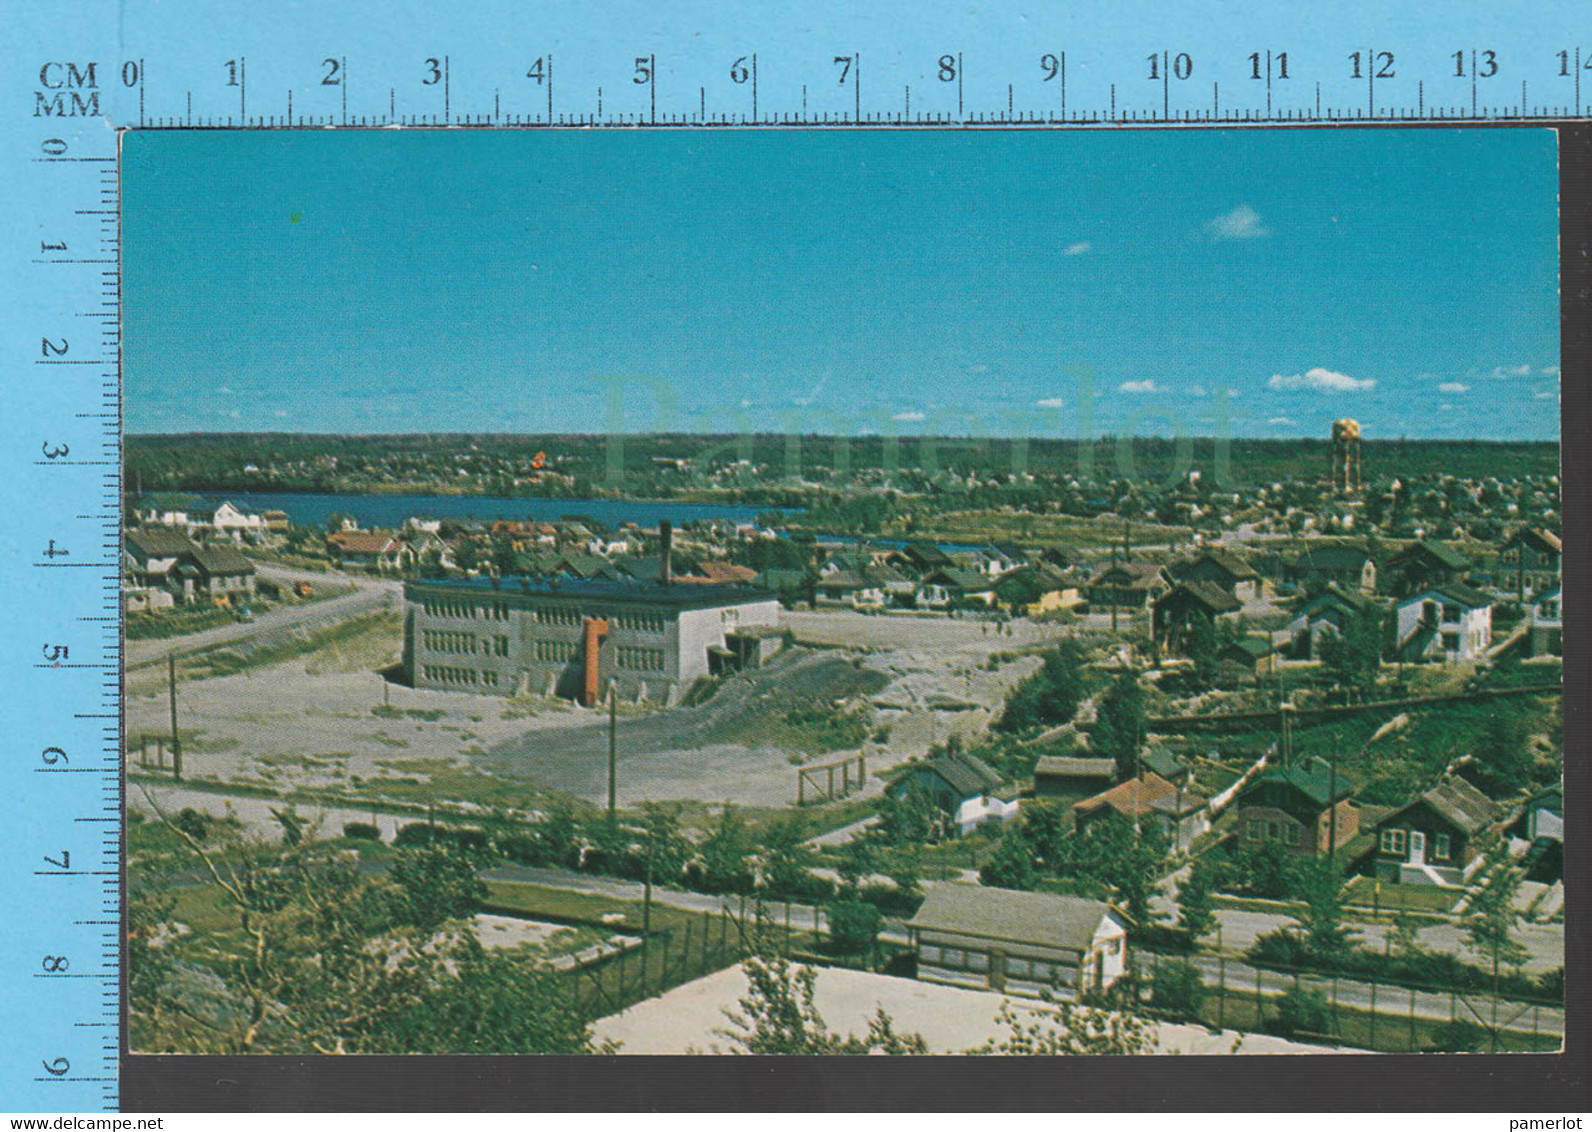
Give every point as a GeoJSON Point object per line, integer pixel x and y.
{"type": "Point", "coordinates": [843, 592]}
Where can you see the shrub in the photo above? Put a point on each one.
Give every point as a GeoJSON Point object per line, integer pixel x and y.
{"type": "Point", "coordinates": [417, 833]}
{"type": "Point", "coordinates": [1179, 988]}
{"type": "Point", "coordinates": [853, 924]}
{"type": "Point", "coordinates": [193, 823]}
{"type": "Point", "coordinates": [1302, 1010]}
{"type": "Point", "coordinates": [361, 831]}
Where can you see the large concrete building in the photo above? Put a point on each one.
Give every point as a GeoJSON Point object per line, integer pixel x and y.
{"type": "Point", "coordinates": [581, 637]}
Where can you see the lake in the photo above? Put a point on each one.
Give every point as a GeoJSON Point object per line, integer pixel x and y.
{"type": "Point", "coordinates": [312, 509]}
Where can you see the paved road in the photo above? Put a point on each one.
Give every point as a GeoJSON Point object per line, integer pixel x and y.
{"type": "Point", "coordinates": [368, 594]}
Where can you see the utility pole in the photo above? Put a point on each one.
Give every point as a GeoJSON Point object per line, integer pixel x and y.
{"type": "Point", "coordinates": [613, 752]}
{"type": "Point", "coordinates": [1332, 803]}
{"type": "Point", "coordinates": [176, 742]}
{"type": "Point", "coordinates": [646, 893]}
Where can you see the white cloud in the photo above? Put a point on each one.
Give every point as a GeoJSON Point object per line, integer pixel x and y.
{"type": "Point", "coordinates": [1243, 223]}
{"type": "Point", "coordinates": [1079, 248]}
{"type": "Point", "coordinates": [1511, 371]}
{"type": "Point", "coordinates": [1446, 407]}
{"type": "Point", "coordinates": [1550, 371]}
{"type": "Point", "coordinates": [279, 413]}
{"type": "Point", "coordinates": [908, 415]}
{"type": "Point", "coordinates": [1281, 421]}
{"type": "Point", "coordinates": [1145, 386]}
{"type": "Point", "coordinates": [1453, 387]}
{"type": "Point", "coordinates": [1320, 380]}
{"type": "Point", "coordinates": [1196, 391]}
{"type": "Point", "coordinates": [981, 367]}
{"type": "Point", "coordinates": [1545, 394]}
{"type": "Point", "coordinates": [1049, 403]}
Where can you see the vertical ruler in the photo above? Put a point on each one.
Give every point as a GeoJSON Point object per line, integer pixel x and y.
{"type": "Point", "coordinates": [60, 632]}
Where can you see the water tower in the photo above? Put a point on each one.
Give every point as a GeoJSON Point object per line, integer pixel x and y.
{"type": "Point", "coordinates": [1346, 456]}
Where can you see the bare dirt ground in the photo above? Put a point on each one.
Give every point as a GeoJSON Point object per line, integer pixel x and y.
{"type": "Point", "coordinates": [326, 720]}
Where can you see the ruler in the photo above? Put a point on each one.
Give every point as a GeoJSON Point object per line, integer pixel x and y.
{"type": "Point", "coordinates": [74, 80]}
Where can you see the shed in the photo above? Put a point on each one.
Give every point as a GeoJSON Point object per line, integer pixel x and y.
{"type": "Point", "coordinates": [1018, 942]}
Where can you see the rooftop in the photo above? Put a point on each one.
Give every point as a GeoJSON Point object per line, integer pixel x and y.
{"type": "Point", "coordinates": [1041, 918]}
{"type": "Point", "coordinates": [1312, 778]}
{"type": "Point", "coordinates": [623, 591]}
{"type": "Point", "coordinates": [1074, 767]}
{"type": "Point", "coordinates": [1149, 793]}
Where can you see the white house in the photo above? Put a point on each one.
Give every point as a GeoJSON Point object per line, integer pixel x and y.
{"type": "Point", "coordinates": [974, 812]}
{"type": "Point", "coordinates": [1450, 622]}
{"type": "Point", "coordinates": [1018, 942]}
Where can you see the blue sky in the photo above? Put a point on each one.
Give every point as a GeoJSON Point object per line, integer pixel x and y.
{"type": "Point", "coordinates": [942, 282]}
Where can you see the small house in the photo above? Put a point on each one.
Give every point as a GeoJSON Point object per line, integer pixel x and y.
{"type": "Point", "coordinates": [1425, 564]}
{"type": "Point", "coordinates": [946, 586]}
{"type": "Point", "coordinates": [1530, 561]}
{"type": "Point", "coordinates": [369, 550]}
{"type": "Point", "coordinates": [1018, 942]}
{"type": "Point", "coordinates": [1432, 839]}
{"type": "Point", "coordinates": [996, 560]}
{"type": "Point", "coordinates": [1037, 589]}
{"type": "Point", "coordinates": [1226, 570]}
{"type": "Point", "coordinates": [1305, 807]}
{"type": "Point", "coordinates": [1449, 622]}
{"type": "Point", "coordinates": [1547, 624]}
{"type": "Point", "coordinates": [1061, 776]}
{"type": "Point", "coordinates": [1248, 658]}
{"type": "Point", "coordinates": [1331, 611]}
{"type": "Point", "coordinates": [962, 786]}
{"type": "Point", "coordinates": [217, 572]}
{"type": "Point", "coordinates": [1149, 801]}
{"type": "Point", "coordinates": [1350, 568]}
{"type": "Point", "coordinates": [1177, 610]}
{"type": "Point", "coordinates": [1127, 585]}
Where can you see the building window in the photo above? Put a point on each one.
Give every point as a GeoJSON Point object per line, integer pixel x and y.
{"type": "Point", "coordinates": [1393, 842]}
{"type": "Point", "coordinates": [1442, 848]}
{"type": "Point", "coordinates": [1290, 833]}
{"type": "Point", "coordinates": [928, 953]}
{"type": "Point", "coordinates": [1273, 830]}
{"type": "Point", "coordinates": [1252, 830]}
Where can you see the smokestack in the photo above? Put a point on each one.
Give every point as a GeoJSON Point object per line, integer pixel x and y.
{"type": "Point", "coordinates": [666, 543]}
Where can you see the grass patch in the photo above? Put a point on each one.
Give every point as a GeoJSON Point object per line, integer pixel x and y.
{"type": "Point", "coordinates": [175, 622]}
{"type": "Point", "coordinates": [1362, 892]}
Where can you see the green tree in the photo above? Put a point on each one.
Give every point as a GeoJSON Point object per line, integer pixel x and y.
{"type": "Point", "coordinates": [1119, 724]}
{"type": "Point", "coordinates": [1049, 696]}
{"type": "Point", "coordinates": [853, 924]}
{"type": "Point", "coordinates": [1302, 1010]}
{"type": "Point", "coordinates": [1321, 915]}
{"type": "Point", "coordinates": [1111, 851]}
{"type": "Point", "coordinates": [726, 853]}
{"type": "Point", "coordinates": [1500, 763]}
{"type": "Point", "coordinates": [666, 845]}
{"type": "Point", "coordinates": [784, 855]}
{"type": "Point", "coordinates": [1179, 988]}
{"type": "Point", "coordinates": [435, 884]}
{"type": "Point", "coordinates": [1012, 864]}
{"type": "Point", "coordinates": [1491, 918]}
{"type": "Point", "coordinates": [1200, 645]}
{"type": "Point", "coordinates": [856, 863]}
{"type": "Point", "coordinates": [779, 1015]}
{"type": "Point", "coordinates": [907, 817]}
{"type": "Point", "coordinates": [1196, 913]}
{"type": "Point", "coordinates": [1353, 658]}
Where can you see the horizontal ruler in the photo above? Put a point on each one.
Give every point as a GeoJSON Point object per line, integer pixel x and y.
{"type": "Point", "coordinates": [185, 65]}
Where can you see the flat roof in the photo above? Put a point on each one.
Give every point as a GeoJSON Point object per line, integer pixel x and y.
{"type": "Point", "coordinates": [620, 591]}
